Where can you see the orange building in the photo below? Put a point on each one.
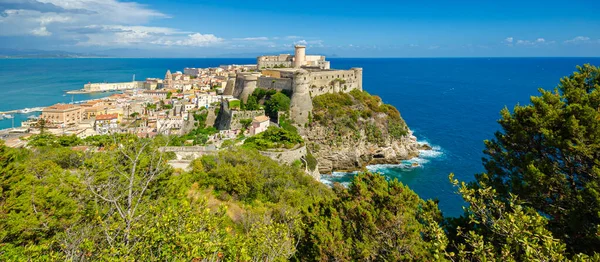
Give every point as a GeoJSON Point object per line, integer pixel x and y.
{"type": "Point", "coordinates": [63, 114]}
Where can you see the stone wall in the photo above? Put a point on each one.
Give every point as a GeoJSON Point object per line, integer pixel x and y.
{"type": "Point", "coordinates": [236, 116]}
{"type": "Point", "coordinates": [230, 119]}
{"type": "Point", "coordinates": [275, 83]}
{"type": "Point", "coordinates": [285, 156]}
{"type": "Point", "coordinates": [323, 82]}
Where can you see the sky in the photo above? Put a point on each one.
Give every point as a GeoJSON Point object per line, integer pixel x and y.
{"type": "Point", "coordinates": [350, 28]}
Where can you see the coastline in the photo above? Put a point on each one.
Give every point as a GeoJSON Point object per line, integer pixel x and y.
{"type": "Point", "coordinates": [424, 157]}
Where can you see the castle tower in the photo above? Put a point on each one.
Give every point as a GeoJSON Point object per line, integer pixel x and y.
{"type": "Point", "coordinates": [245, 84]}
{"type": "Point", "coordinates": [358, 76]}
{"type": "Point", "coordinates": [301, 104]}
{"type": "Point", "coordinates": [168, 83]}
{"type": "Point", "coordinates": [300, 56]}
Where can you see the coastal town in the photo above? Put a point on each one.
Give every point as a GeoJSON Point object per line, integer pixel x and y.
{"type": "Point", "coordinates": [218, 98]}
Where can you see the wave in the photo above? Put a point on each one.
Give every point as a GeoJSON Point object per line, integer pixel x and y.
{"type": "Point", "coordinates": [425, 156]}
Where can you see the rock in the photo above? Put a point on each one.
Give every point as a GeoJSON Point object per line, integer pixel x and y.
{"type": "Point", "coordinates": [353, 155]}
{"type": "Point", "coordinates": [425, 147]}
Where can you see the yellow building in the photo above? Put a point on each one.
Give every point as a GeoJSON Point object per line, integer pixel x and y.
{"type": "Point", "coordinates": [63, 114]}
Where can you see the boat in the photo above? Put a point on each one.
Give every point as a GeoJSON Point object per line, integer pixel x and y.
{"type": "Point", "coordinates": [26, 110]}
{"type": "Point", "coordinates": [7, 116]}
{"type": "Point", "coordinates": [415, 164]}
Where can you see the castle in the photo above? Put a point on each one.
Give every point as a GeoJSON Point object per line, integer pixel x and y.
{"type": "Point", "coordinates": [300, 59]}
{"type": "Point", "coordinates": [302, 76]}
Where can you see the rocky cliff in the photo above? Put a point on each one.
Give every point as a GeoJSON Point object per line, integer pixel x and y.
{"type": "Point", "coordinates": [347, 131]}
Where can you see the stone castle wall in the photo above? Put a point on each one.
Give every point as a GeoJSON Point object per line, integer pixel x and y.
{"type": "Point", "coordinates": [275, 83]}
{"type": "Point", "coordinates": [323, 82]}
{"type": "Point", "coordinates": [303, 84]}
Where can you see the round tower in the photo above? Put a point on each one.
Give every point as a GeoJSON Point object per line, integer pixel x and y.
{"type": "Point", "coordinates": [358, 76]}
{"type": "Point", "coordinates": [300, 56]}
{"type": "Point", "coordinates": [301, 103]}
{"type": "Point", "coordinates": [249, 84]}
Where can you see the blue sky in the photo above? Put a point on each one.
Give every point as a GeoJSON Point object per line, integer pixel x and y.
{"type": "Point", "coordinates": [188, 28]}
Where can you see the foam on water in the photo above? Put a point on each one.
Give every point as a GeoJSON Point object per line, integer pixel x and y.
{"type": "Point", "coordinates": [425, 157]}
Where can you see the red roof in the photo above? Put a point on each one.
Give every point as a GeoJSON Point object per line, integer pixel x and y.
{"type": "Point", "coordinates": [107, 117]}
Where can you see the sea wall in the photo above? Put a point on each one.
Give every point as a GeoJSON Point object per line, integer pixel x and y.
{"type": "Point", "coordinates": [99, 87]}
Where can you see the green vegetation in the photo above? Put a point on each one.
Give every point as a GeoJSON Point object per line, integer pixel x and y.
{"type": "Point", "coordinates": [547, 155]}
{"type": "Point", "coordinates": [273, 100]}
{"type": "Point", "coordinates": [252, 104]}
{"type": "Point", "coordinates": [347, 113]}
{"type": "Point", "coordinates": [277, 103]}
{"type": "Point", "coordinates": [169, 94]}
{"type": "Point", "coordinates": [272, 138]}
{"type": "Point", "coordinates": [235, 104]}
{"type": "Point", "coordinates": [200, 135]}
{"type": "Point", "coordinates": [120, 201]}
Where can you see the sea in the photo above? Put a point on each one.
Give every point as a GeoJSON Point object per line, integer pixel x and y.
{"type": "Point", "coordinates": [452, 104]}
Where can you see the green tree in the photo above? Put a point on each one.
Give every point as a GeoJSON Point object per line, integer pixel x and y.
{"type": "Point", "coordinates": [372, 220]}
{"type": "Point", "coordinates": [548, 155]}
{"type": "Point", "coordinates": [246, 123]}
{"type": "Point", "coordinates": [496, 229]}
{"type": "Point", "coordinates": [252, 103]}
{"type": "Point", "coordinates": [277, 103]}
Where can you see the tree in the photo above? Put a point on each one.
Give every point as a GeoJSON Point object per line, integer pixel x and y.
{"type": "Point", "coordinates": [169, 94]}
{"type": "Point", "coordinates": [122, 181]}
{"type": "Point", "coordinates": [373, 220]}
{"type": "Point", "coordinates": [252, 103]}
{"type": "Point", "coordinates": [277, 103]}
{"type": "Point", "coordinates": [246, 123]}
{"type": "Point", "coordinates": [496, 229]}
{"type": "Point", "coordinates": [548, 155]}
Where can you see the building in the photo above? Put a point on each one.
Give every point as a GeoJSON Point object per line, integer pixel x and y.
{"type": "Point", "coordinates": [298, 60]}
{"type": "Point", "coordinates": [104, 124]}
{"type": "Point", "coordinates": [168, 82]}
{"type": "Point", "coordinates": [63, 114]}
{"type": "Point", "coordinates": [259, 125]}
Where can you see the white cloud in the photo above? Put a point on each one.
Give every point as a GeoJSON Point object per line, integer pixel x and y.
{"type": "Point", "coordinates": [196, 39]}
{"type": "Point", "coordinates": [511, 41]}
{"type": "Point", "coordinates": [578, 39]}
{"type": "Point", "coordinates": [260, 38]}
{"type": "Point", "coordinates": [42, 31]}
{"type": "Point", "coordinates": [111, 23]}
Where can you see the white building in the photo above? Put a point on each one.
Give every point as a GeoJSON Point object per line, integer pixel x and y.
{"type": "Point", "coordinates": [259, 125]}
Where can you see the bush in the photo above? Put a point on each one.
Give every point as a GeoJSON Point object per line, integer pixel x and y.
{"type": "Point", "coordinates": [274, 137]}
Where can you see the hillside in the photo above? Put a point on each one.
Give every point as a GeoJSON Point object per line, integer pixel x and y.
{"type": "Point", "coordinates": [347, 131]}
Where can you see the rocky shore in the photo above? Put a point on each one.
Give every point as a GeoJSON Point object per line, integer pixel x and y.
{"type": "Point", "coordinates": [351, 131]}
{"type": "Point", "coordinates": [352, 155]}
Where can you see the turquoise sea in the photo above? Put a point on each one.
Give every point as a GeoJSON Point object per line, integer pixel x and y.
{"type": "Point", "coordinates": [450, 103]}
